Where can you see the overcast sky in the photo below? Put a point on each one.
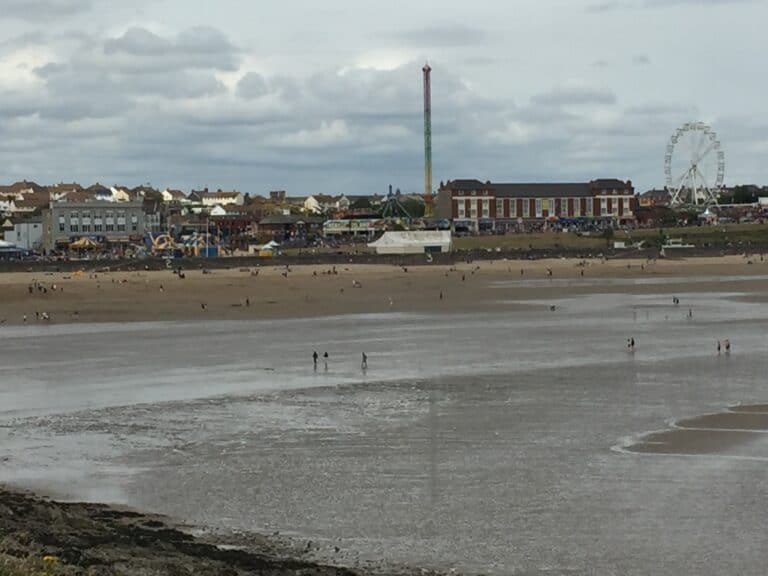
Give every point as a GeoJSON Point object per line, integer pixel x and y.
{"type": "Point", "coordinates": [325, 96]}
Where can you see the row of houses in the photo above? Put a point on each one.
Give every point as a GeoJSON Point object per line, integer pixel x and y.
{"type": "Point", "coordinates": [48, 217]}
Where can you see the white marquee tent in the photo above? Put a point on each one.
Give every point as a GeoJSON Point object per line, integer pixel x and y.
{"type": "Point", "coordinates": [412, 242]}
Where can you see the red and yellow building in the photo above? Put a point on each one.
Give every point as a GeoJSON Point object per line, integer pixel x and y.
{"type": "Point", "coordinates": [480, 205]}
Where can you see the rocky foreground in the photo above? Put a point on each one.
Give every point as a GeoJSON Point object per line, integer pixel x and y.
{"type": "Point", "coordinates": [42, 537]}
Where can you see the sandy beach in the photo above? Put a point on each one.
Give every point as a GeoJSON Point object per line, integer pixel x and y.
{"type": "Point", "coordinates": [312, 291]}
{"type": "Point", "coordinates": [493, 425]}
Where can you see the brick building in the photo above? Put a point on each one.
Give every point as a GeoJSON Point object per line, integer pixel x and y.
{"type": "Point", "coordinates": [477, 205]}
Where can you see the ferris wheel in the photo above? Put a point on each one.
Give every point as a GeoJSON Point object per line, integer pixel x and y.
{"type": "Point", "coordinates": [694, 165]}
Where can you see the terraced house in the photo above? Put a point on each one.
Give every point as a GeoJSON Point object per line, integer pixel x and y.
{"type": "Point", "coordinates": [487, 206]}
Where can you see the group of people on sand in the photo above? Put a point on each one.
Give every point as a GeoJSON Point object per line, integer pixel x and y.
{"type": "Point", "coordinates": [315, 356]}
{"type": "Point", "coordinates": [726, 344]}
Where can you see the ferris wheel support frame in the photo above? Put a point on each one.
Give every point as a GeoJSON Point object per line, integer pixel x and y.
{"type": "Point", "coordinates": [692, 183]}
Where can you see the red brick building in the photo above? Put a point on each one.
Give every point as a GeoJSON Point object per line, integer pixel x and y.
{"type": "Point", "coordinates": [480, 205]}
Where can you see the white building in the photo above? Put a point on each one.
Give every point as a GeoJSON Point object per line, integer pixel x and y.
{"type": "Point", "coordinates": [120, 194]}
{"type": "Point", "coordinates": [221, 198]}
{"type": "Point", "coordinates": [27, 234]}
{"type": "Point", "coordinates": [174, 196]}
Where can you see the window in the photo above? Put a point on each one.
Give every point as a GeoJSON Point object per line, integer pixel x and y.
{"type": "Point", "coordinates": [538, 207]}
{"type": "Point", "coordinates": [486, 208]}
{"type": "Point", "coordinates": [98, 227]}
{"type": "Point", "coordinates": [513, 208]}
{"type": "Point", "coordinates": [86, 227]}
{"type": "Point", "coordinates": [563, 206]}
{"type": "Point", "coordinates": [526, 208]}
{"type": "Point", "coordinates": [499, 208]}
{"type": "Point", "coordinates": [577, 207]}
{"type": "Point", "coordinates": [110, 228]}
{"type": "Point", "coordinates": [461, 209]}
{"type": "Point", "coordinates": [627, 205]}
{"type": "Point", "coordinates": [473, 209]}
{"type": "Point", "coordinates": [74, 227]}
{"type": "Point", "coordinates": [61, 223]}
{"type": "Point", "coordinates": [588, 206]}
{"type": "Point", "coordinates": [121, 227]}
{"type": "Point", "coordinates": [603, 206]}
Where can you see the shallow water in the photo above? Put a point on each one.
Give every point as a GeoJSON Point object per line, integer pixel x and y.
{"type": "Point", "coordinates": [490, 443]}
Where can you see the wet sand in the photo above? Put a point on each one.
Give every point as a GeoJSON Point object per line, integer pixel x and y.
{"type": "Point", "coordinates": [723, 433]}
{"type": "Point", "coordinates": [448, 452]}
{"type": "Point", "coordinates": [311, 291]}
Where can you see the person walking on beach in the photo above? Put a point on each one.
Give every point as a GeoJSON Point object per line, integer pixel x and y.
{"type": "Point", "coordinates": [727, 346]}
{"type": "Point", "coordinates": [364, 364]}
{"type": "Point", "coordinates": [314, 358]}
{"type": "Point", "coordinates": [718, 347]}
{"type": "Point", "coordinates": [632, 344]}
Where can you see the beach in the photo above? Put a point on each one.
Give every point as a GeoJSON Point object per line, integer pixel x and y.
{"type": "Point", "coordinates": [505, 428]}
{"type": "Point", "coordinates": [265, 291]}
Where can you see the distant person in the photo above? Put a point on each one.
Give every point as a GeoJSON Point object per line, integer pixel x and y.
{"type": "Point", "coordinates": [690, 313]}
{"type": "Point", "coordinates": [632, 344]}
{"type": "Point", "coordinates": [727, 346]}
{"type": "Point", "coordinates": [718, 347]}
{"type": "Point", "coordinates": [364, 364]}
{"type": "Point", "coordinates": [325, 356]}
{"type": "Point", "coordinates": [441, 294]}
{"type": "Point", "coordinates": [314, 358]}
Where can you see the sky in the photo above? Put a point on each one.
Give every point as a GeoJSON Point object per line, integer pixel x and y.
{"type": "Point", "coordinates": [326, 97]}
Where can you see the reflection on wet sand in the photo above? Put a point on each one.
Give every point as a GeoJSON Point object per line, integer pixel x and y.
{"type": "Point", "coordinates": [739, 431]}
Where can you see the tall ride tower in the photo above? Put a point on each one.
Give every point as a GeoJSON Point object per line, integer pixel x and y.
{"type": "Point", "coordinates": [427, 129]}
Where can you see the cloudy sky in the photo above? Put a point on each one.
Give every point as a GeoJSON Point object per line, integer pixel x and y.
{"type": "Point", "coordinates": [325, 96]}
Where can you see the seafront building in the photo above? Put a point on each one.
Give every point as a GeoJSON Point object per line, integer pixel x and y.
{"type": "Point", "coordinates": [499, 207]}
{"type": "Point", "coordinates": [105, 222]}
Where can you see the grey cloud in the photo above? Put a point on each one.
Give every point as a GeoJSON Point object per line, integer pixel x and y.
{"type": "Point", "coordinates": [613, 5]}
{"type": "Point", "coordinates": [354, 132]}
{"type": "Point", "coordinates": [36, 10]}
{"type": "Point", "coordinates": [104, 78]}
{"type": "Point", "coordinates": [575, 96]}
{"type": "Point", "coordinates": [251, 86]}
{"type": "Point", "coordinates": [139, 50]}
{"type": "Point", "coordinates": [451, 35]}
{"type": "Point", "coordinates": [661, 110]}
